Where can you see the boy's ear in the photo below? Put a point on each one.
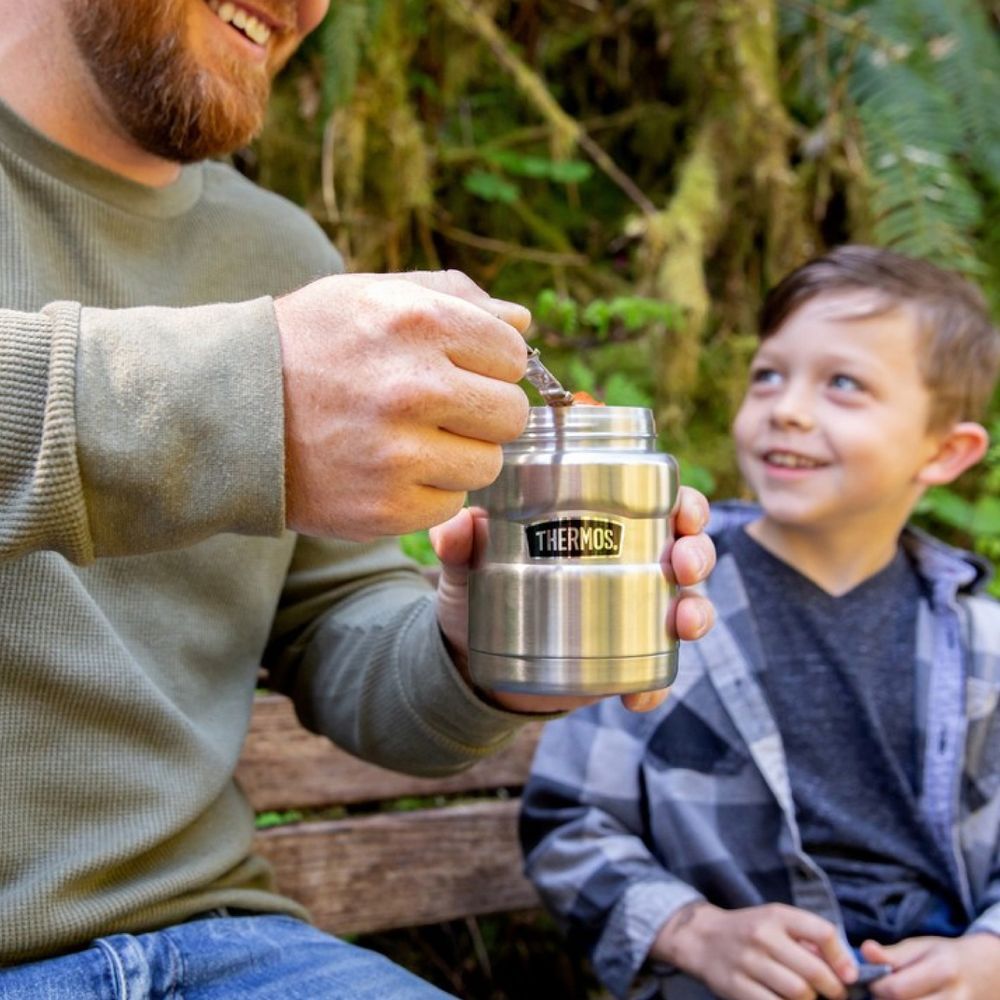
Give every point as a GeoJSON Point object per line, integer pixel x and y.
{"type": "Point", "coordinates": [960, 448]}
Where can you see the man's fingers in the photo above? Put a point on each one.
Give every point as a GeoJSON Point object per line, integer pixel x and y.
{"type": "Point", "coordinates": [457, 464]}
{"type": "Point", "coordinates": [461, 286]}
{"type": "Point", "coordinates": [486, 409]}
{"type": "Point", "coordinates": [472, 334]}
{"type": "Point", "coordinates": [511, 312]}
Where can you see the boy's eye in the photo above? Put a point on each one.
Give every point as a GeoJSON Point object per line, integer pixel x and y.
{"type": "Point", "coordinates": [764, 376]}
{"type": "Point", "coordinates": [845, 383]}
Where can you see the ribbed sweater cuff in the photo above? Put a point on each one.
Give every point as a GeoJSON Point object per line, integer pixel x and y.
{"type": "Point", "coordinates": [180, 424]}
{"type": "Point", "coordinates": [41, 501]}
{"type": "Point", "coordinates": [437, 699]}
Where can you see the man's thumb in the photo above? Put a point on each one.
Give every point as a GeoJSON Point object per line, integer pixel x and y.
{"type": "Point", "coordinates": [452, 541]}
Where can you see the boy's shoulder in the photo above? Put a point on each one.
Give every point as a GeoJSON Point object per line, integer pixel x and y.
{"type": "Point", "coordinates": [966, 573]}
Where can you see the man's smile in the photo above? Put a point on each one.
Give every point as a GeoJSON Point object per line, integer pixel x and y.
{"type": "Point", "coordinates": [250, 25]}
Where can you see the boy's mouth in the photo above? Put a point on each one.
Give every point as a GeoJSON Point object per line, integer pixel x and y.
{"type": "Point", "coordinates": [791, 460]}
{"type": "Point", "coordinates": [242, 20]}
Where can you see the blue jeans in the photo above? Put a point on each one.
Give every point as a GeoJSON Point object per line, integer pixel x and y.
{"type": "Point", "coordinates": [218, 958]}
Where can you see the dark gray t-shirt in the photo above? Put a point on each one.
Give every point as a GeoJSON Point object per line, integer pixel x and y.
{"type": "Point", "coordinates": [840, 681]}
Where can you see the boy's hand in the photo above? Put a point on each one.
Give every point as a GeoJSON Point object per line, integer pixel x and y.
{"type": "Point", "coordinates": [757, 953]}
{"type": "Point", "coordinates": [965, 968]}
{"type": "Point", "coordinates": [689, 561]}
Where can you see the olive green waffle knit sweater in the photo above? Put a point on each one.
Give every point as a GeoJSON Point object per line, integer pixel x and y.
{"type": "Point", "coordinates": [144, 569]}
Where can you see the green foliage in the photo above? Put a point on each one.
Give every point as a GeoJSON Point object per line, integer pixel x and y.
{"type": "Point", "coordinates": [924, 82]}
{"type": "Point", "coordinates": [491, 187]}
{"type": "Point", "coordinates": [604, 319]}
{"type": "Point", "coordinates": [417, 546]}
{"type": "Point", "coordinates": [540, 167]}
{"type": "Point", "coordinates": [343, 37]}
{"type": "Point", "coordinates": [457, 144]}
{"type": "Point", "coordinates": [265, 820]}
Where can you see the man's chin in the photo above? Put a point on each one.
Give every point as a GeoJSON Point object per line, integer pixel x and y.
{"type": "Point", "coordinates": [200, 123]}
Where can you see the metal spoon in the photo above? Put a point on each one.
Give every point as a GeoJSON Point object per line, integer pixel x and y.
{"type": "Point", "coordinates": [545, 382]}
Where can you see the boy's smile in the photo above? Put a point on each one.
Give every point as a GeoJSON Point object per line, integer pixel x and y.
{"type": "Point", "coordinates": [833, 430]}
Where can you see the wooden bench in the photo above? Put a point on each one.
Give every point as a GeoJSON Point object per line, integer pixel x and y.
{"type": "Point", "coordinates": [378, 868]}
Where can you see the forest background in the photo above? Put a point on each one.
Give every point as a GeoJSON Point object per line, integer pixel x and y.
{"type": "Point", "coordinates": [639, 173]}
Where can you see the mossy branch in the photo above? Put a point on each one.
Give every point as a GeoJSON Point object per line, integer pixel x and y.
{"type": "Point", "coordinates": [567, 132]}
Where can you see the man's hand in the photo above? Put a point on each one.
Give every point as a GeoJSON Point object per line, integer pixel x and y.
{"type": "Point", "coordinates": [399, 392]}
{"type": "Point", "coordinates": [689, 561]}
{"type": "Point", "coordinates": [934, 968]}
{"type": "Point", "coordinates": [757, 953]}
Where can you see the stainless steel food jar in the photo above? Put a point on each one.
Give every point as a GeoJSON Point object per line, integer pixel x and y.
{"type": "Point", "coordinates": [566, 591]}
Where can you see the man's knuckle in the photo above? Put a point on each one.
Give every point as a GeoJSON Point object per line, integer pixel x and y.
{"type": "Point", "coordinates": [514, 415]}
{"type": "Point", "coordinates": [487, 468]}
{"type": "Point", "coordinates": [449, 506]}
{"type": "Point", "coordinates": [460, 281]}
{"type": "Point", "coordinates": [418, 316]}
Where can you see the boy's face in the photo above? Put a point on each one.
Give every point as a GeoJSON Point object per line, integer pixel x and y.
{"type": "Point", "coordinates": [834, 425]}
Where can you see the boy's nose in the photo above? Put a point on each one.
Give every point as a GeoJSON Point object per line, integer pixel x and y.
{"type": "Point", "coordinates": [792, 409]}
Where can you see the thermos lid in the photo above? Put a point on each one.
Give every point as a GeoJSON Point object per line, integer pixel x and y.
{"type": "Point", "coordinates": [564, 428]}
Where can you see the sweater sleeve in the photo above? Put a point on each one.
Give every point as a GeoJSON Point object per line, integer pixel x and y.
{"type": "Point", "coordinates": [41, 498]}
{"type": "Point", "coordinates": [357, 647]}
{"type": "Point", "coordinates": [135, 430]}
{"type": "Point", "coordinates": [582, 834]}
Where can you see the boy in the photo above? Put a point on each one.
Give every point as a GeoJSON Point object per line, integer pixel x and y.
{"type": "Point", "coordinates": [809, 786]}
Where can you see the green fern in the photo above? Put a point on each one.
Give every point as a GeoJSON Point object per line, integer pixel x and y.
{"type": "Point", "coordinates": [923, 78]}
{"type": "Point", "coordinates": [965, 61]}
{"type": "Point", "coordinates": [343, 37]}
{"type": "Point", "coordinates": [910, 92]}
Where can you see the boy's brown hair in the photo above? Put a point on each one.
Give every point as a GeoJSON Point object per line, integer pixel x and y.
{"type": "Point", "coordinates": [959, 346]}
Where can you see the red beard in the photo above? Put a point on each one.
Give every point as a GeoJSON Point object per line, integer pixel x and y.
{"type": "Point", "coordinates": [169, 104]}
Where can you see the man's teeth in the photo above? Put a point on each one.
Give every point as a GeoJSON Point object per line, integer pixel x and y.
{"type": "Point", "coordinates": [253, 28]}
{"type": "Point", "coordinates": [790, 461]}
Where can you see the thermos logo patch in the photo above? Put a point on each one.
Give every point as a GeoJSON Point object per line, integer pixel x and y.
{"type": "Point", "coordinates": [574, 538]}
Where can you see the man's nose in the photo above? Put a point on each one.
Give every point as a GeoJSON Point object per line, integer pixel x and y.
{"type": "Point", "coordinates": [793, 407]}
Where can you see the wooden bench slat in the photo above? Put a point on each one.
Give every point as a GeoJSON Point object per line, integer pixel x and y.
{"type": "Point", "coordinates": [283, 766]}
{"type": "Point", "coordinates": [402, 869]}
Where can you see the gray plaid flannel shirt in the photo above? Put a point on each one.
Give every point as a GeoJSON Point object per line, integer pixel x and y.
{"type": "Point", "coordinates": [627, 817]}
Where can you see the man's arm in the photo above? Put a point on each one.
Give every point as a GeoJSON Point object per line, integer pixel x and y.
{"type": "Point", "coordinates": [383, 399]}
{"type": "Point", "coordinates": [357, 646]}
